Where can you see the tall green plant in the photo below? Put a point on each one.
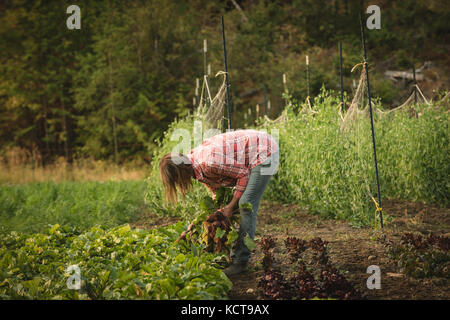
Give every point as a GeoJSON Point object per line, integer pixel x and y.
{"type": "Point", "coordinates": [331, 171]}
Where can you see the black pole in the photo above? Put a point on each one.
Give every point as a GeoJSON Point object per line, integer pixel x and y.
{"type": "Point", "coordinates": [341, 76]}
{"type": "Point", "coordinates": [371, 116]}
{"type": "Point", "coordinates": [415, 85]}
{"type": "Point", "coordinates": [226, 74]}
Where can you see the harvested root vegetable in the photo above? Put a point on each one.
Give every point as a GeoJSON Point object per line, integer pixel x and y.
{"type": "Point", "coordinates": [213, 223]}
{"type": "Point", "coordinates": [215, 232]}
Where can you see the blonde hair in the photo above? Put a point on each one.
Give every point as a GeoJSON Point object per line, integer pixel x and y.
{"type": "Point", "coordinates": [176, 174]}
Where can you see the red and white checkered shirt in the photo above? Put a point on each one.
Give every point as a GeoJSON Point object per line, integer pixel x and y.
{"type": "Point", "coordinates": [227, 159]}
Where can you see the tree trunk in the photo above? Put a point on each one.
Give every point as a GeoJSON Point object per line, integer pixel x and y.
{"type": "Point", "coordinates": [66, 142]}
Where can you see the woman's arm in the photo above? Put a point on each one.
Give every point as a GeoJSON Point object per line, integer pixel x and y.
{"type": "Point", "coordinates": [241, 175]}
{"type": "Point", "coordinates": [213, 190]}
{"type": "Point", "coordinates": [228, 209]}
{"type": "Point", "coordinates": [241, 185]}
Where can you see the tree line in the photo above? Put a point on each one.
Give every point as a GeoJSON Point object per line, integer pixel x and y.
{"type": "Point", "coordinates": [110, 89]}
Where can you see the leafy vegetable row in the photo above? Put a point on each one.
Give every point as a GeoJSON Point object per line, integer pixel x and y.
{"type": "Point", "coordinates": [118, 263]}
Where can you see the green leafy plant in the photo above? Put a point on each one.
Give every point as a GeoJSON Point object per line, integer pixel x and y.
{"type": "Point", "coordinates": [118, 263]}
{"type": "Point", "coordinates": [33, 207]}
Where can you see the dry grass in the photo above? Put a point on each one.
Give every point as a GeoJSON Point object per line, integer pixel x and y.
{"type": "Point", "coordinates": [21, 166]}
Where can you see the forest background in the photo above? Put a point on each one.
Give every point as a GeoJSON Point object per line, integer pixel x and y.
{"type": "Point", "coordinates": [108, 91]}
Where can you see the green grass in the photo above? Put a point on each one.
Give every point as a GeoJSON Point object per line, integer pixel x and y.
{"type": "Point", "coordinates": [33, 207]}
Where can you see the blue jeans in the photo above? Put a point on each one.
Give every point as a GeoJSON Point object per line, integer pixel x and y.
{"type": "Point", "coordinates": [257, 183]}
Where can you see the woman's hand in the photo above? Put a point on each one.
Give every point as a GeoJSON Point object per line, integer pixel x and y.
{"type": "Point", "coordinates": [228, 211]}
{"type": "Point", "coordinates": [184, 233]}
{"type": "Point", "coordinates": [229, 208]}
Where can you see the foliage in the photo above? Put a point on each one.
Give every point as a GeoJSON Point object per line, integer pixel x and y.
{"type": "Point", "coordinates": [118, 263]}
{"type": "Point", "coordinates": [414, 154]}
{"type": "Point", "coordinates": [110, 85]}
{"type": "Point", "coordinates": [114, 84]}
{"type": "Point", "coordinates": [38, 65]}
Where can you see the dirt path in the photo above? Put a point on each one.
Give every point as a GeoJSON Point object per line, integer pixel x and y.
{"type": "Point", "coordinates": [352, 250]}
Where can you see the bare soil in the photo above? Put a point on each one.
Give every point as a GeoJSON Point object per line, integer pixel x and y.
{"type": "Point", "coordinates": [351, 249]}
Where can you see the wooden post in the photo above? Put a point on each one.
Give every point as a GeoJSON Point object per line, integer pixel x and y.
{"type": "Point", "coordinates": [307, 74]}
{"type": "Point", "coordinates": [415, 85]}
{"type": "Point", "coordinates": [285, 86]}
{"type": "Point", "coordinates": [205, 49]}
{"type": "Point", "coordinates": [197, 87]}
{"type": "Point", "coordinates": [206, 70]}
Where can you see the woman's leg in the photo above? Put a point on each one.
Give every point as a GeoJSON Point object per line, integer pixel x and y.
{"type": "Point", "coordinates": [253, 193]}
